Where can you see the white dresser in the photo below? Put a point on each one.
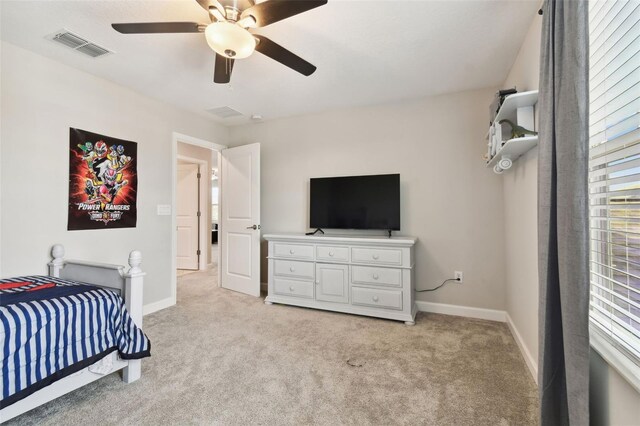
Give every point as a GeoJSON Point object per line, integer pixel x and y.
{"type": "Point", "coordinates": [370, 276]}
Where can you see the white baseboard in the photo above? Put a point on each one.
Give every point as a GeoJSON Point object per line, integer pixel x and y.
{"type": "Point", "coordinates": [157, 306]}
{"type": "Point", "coordinates": [462, 311]}
{"type": "Point", "coordinates": [532, 364]}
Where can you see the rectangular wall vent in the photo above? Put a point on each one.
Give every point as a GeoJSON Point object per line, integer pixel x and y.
{"type": "Point", "coordinates": [224, 112]}
{"type": "Point", "coordinates": [79, 44]}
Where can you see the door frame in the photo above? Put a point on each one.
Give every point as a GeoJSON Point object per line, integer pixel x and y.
{"type": "Point", "coordinates": [202, 220]}
{"type": "Point", "coordinates": [213, 146]}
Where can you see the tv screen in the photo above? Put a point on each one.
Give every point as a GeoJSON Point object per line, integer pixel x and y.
{"type": "Point", "coordinates": [356, 202]}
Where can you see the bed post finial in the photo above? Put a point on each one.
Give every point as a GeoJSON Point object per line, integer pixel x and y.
{"type": "Point", "coordinates": [57, 252]}
{"type": "Point", "coordinates": [133, 300]}
{"type": "Point", "coordinates": [135, 260]}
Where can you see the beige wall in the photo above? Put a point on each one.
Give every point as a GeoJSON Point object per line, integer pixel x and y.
{"type": "Point", "coordinates": [449, 200]}
{"type": "Point", "coordinates": [613, 400]}
{"type": "Point", "coordinates": [521, 210]}
{"type": "Point", "coordinates": [202, 154]}
{"type": "Point", "coordinates": [41, 99]}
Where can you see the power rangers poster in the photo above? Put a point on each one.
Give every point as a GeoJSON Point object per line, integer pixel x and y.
{"type": "Point", "coordinates": [103, 182]}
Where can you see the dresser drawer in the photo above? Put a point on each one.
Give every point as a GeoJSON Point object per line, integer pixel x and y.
{"type": "Point", "coordinates": [294, 251]}
{"type": "Point", "coordinates": [331, 253]}
{"type": "Point", "coordinates": [379, 298]}
{"type": "Point", "coordinates": [376, 256]}
{"type": "Point", "coordinates": [285, 287]}
{"type": "Point", "coordinates": [293, 268]}
{"type": "Point", "coordinates": [376, 276]}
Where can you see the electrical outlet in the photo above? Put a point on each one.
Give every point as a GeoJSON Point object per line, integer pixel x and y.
{"type": "Point", "coordinates": [458, 276]}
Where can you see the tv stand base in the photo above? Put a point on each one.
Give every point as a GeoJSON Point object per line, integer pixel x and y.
{"type": "Point", "coordinates": [315, 232]}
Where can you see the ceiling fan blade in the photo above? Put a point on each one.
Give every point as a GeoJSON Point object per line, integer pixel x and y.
{"type": "Point", "coordinates": [284, 56]}
{"type": "Point", "coordinates": [272, 11]}
{"type": "Point", "coordinates": [223, 68]}
{"type": "Point", "coordinates": [158, 27]}
{"type": "Point", "coordinates": [208, 4]}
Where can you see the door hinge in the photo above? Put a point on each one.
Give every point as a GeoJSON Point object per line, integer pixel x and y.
{"type": "Point", "coordinates": [198, 214]}
{"type": "Point", "coordinates": [198, 252]}
{"type": "Point", "coordinates": [199, 175]}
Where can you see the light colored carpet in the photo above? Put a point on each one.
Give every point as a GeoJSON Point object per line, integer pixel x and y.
{"type": "Point", "coordinates": [220, 357]}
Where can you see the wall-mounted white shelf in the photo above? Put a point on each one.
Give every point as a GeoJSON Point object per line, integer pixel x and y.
{"type": "Point", "coordinates": [519, 109]}
{"type": "Point", "coordinates": [513, 148]}
{"type": "Point", "coordinates": [510, 106]}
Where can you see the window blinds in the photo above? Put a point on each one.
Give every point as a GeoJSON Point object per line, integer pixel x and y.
{"type": "Point", "coordinates": [614, 171]}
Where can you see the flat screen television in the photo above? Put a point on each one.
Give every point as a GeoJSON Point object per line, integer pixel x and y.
{"type": "Point", "coordinates": [356, 202]}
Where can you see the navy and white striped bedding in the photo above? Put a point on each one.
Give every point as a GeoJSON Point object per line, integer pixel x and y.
{"type": "Point", "coordinates": [48, 332]}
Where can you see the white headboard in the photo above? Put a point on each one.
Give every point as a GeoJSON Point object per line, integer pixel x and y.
{"type": "Point", "coordinates": [129, 283]}
{"type": "Point", "coordinates": [100, 274]}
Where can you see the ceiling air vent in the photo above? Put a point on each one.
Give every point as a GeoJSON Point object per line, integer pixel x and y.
{"type": "Point", "coordinates": [92, 50]}
{"type": "Point", "coordinates": [224, 112]}
{"type": "Point", "coordinates": [79, 44]}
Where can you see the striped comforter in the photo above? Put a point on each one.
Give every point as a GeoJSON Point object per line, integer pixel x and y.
{"type": "Point", "coordinates": [51, 328]}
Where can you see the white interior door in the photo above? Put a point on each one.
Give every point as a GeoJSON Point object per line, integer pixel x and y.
{"type": "Point", "coordinates": [187, 189]}
{"type": "Point", "coordinates": [240, 219]}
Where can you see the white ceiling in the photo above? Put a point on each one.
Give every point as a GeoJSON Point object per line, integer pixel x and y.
{"type": "Point", "coordinates": [367, 52]}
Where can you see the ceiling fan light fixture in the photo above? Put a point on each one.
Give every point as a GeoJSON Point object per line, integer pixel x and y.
{"type": "Point", "coordinates": [230, 40]}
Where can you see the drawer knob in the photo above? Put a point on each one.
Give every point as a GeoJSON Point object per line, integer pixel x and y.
{"type": "Point", "coordinates": [292, 251]}
{"type": "Point", "coordinates": [331, 253]}
{"type": "Point", "coordinates": [375, 276]}
{"type": "Point", "coordinates": [375, 298]}
{"type": "Point", "coordinates": [291, 288]}
{"type": "Point", "coordinates": [292, 269]}
{"type": "Point", "coordinates": [375, 257]}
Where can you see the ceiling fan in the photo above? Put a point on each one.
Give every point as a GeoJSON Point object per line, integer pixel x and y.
{"type": "Point", "coordinates": [228, 33]}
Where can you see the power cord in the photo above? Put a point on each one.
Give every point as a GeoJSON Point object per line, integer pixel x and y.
{"type": "Point", "coordinates": [435, 288]}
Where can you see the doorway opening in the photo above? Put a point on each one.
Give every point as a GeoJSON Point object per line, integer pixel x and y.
{"type": "Point", "coordinates": [238, 211]}
{"type": "Point", "coordinates": [215, 210]}
{"type": "Point", "coordinates": [196, 201]}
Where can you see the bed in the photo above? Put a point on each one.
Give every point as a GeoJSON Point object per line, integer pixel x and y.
{"type": "Point", "coordinates": [65, 330]}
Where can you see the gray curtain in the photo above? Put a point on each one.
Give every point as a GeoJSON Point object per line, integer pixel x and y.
{"type": "Point", "coordinates": [563, 234]}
